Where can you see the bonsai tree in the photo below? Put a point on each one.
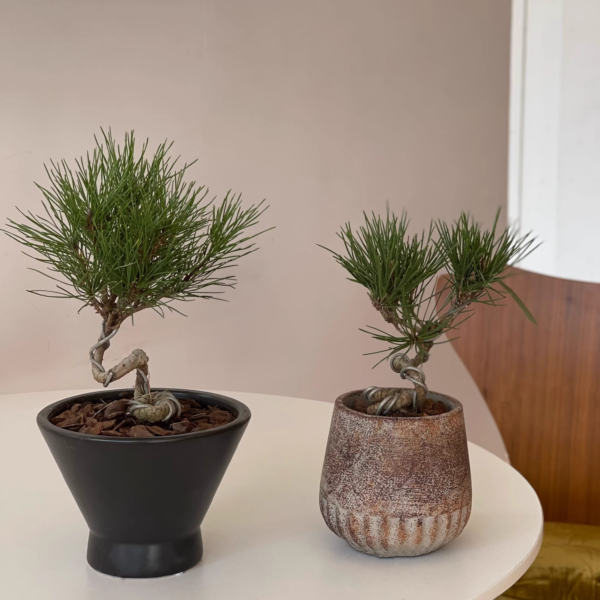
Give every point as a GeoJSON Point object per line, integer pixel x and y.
{"type": "Point", "coordinates": [401, 274]}
{"type": "Point", "coordinates": [123, 233]}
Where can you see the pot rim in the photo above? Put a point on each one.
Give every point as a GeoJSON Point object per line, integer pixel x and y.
{"type": "Point", "coordinates": [458, 408]}
{"type": "Point", "coordinates": [243, 416]}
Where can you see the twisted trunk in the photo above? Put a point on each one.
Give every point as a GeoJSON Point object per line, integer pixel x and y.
{"type": "Point", "coordinates": [146, 405]}
{"type": "Point", "coordinates": [403, 397]}
{"type": "Point", "coordinates": [138, 359]}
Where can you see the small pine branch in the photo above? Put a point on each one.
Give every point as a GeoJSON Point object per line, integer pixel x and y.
{"type": "Point", "coordinates": [476, 260]}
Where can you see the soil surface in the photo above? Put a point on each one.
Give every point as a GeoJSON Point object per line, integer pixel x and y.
{"type": "Point", "coordinates": [110, 419]}
{"type": "Point", "coordinates": [428, 408]}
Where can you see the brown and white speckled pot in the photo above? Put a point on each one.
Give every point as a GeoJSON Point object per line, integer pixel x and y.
{"type": "Point", "coordinates": [396, 487]}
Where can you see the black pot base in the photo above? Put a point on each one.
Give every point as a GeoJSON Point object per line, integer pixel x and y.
{"type": "Point", "coordinates": [144, 560]}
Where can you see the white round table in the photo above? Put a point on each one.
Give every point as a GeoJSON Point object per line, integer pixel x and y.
{"type": "Point", "coordinates": [264, 537]}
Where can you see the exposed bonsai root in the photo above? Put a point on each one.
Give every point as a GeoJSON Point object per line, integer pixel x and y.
{"type": "Point", "coordinates": [390, 399]}
{"type": "Point", "coordinates": [382, 401]}
{"type": "Point", "coordinates": [155, 407]}
{"type": "Point", "coordinates": [113, 420]}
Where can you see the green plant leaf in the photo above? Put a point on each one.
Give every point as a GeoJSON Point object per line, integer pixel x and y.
{"type": "Point", "coordinates": [519, 302]}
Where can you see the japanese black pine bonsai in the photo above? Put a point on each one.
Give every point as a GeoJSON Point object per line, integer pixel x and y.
{"type": "Point", "coordinates": [401, 274]}
{"type": "Point", "coordinates": [123, 232]}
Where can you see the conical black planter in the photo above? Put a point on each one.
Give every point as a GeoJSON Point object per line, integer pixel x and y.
{"type": "Point", "coordinates": [144, 499]}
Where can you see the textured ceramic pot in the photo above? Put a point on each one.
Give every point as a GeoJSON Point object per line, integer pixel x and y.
{"type": "Point", "coordinates": [396, 487]}
{"type": "Point", "coordinates": [144, 499]}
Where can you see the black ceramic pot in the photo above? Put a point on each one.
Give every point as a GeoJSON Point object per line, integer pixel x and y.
{"type": "Point", "coordinates": [144, 499]}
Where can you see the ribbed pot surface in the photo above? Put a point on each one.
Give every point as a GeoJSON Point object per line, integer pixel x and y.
{"type": "Point", "coordinates": [396, 487]}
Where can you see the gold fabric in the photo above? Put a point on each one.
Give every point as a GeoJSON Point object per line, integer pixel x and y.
{"type": "Point", "coordinates": [567, 567]}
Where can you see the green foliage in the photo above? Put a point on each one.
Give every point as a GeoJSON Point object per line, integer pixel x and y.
{"type": "Point", "coordinates": [127, 232]}
{"type": "Point", "coordinates": [476, 260]}
{"type": "Point", "coordinates": [400, 274]}
{"type": "Point", "coordinates": [392, 266]}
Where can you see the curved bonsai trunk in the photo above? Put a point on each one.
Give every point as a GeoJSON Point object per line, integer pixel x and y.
{"type": "Point", "coordinates": [146, 405]}
{"type": "Point", "coordinates": [414, 373]}
{"type": "Point", "coordinates": [404, 398]}
{"type": "Point", "coordinates": [137, 360]}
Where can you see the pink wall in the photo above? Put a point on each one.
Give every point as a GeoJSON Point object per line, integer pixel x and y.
{"type": "Point", "coordinates": [324, 108]}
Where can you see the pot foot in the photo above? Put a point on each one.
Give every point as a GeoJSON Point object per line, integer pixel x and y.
{"type": "Point", "coordinates": [144, 560]}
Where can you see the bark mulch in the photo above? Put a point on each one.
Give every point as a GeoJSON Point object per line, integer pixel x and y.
{"type": "Point", "coordinates": [428, 408]}
{"type": "Point", "coordinates": [111, 420]}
